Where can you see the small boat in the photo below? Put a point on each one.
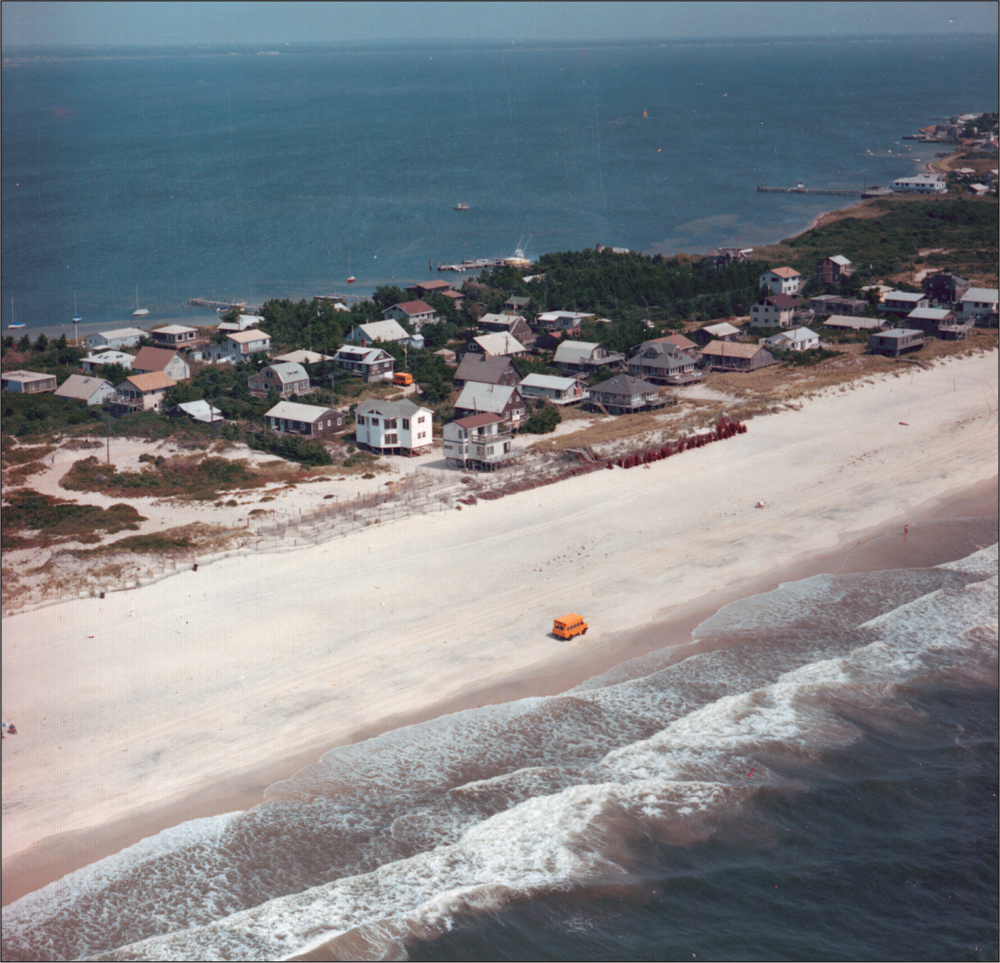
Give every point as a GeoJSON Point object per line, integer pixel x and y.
{"type": "Point", "coordinates": [351, 279]}
{"type": "Point", "coordinates": [76, 314]}
{"type": "Point", "coordinates": [461, 206]}
{"type": "Point", "coordinates": [139, 312]}
{"type": "Point", "coordinates": [14, 325]}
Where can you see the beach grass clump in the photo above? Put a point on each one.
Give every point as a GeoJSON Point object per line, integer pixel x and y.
{"type": "Point", "coordinates": [31, 519]}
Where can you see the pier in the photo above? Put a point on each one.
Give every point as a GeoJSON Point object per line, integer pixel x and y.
{"type": "Point", "coordinates": [218, 305]}
{"type": "Point", "coordinates": [341, 297]}
{"type": "Point", "coordinates": [800, 188]}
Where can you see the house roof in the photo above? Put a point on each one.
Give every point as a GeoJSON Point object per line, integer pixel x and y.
{"type": "Point", "coordinates": [153, 359]}
{"type": "Point", "coordinates": [110, 357]}
{"type": "Point", "coordinates": [520, 302]}
{"type": "Point", "coordinates": [548, 381]}
{"type": "Point", "coordinates": [928, 314]}
{"type": "Point", "coordinates": [388, 330]}
{"type": "Point", "coordinates": [499, 343]}
{"type": "Point", "coordinates": [296, 412]}
{"type": "Point", "coordinates": [173, 329]}
{"type": "Point", "coordinates": [478, 421]}
{"type": "Point", "coordinates": [454, 295]}
{"type": "Point", "coordinates": [120, 333]}
{"type": "Point", "coordinates": [796, 335]}
{"type": "Point", "coordinates": [913, 296]}
{"type": "Point", "coordinates": [678, 340]}
{"type": "Point", "coordinates": [389, 409]}
{"type": "Point", "coordinates": [624, 384]}
{"type": "Point", "coordinates": [286, 371]}
{"type": "Point", "coordinates": [477, 367]}
{"type": "Point", "coordinates": [896, 333]}
{"type": "Point", "coordinates": [410, 308]}
{"type": "Point", "coordinates": [858, 324]}
{"type": "Point", "coordinates": [481, 397]}
{"type": "Point", "coordinates": [572, 351]}
{"type": "Point", "coordinates": [731, 349]}
{"type": "Point", "coordinates": [304, 357]}
{"type": "Point", "coordinates": [724, 329]}
{"type": "Point", "coordinates": [785, 272]}
{"type": "Point", "coordinates": [980, 294]}
{"type": "Point", "coordinates": [838, 259]}
{"type": "Point", "coordinates": [200, 411]}
{"type": "Point", "coordinates": [27, 376]}
{"type": "Point", "coordinates": [362, 355]}
{"type": "Point", "coordinates": [246, 337]}
{"type": "Point", "coordinates": [436, 286]}
{"type": "Point", "coordinates": [81, 387]}
{"type": "Point", "coordinates": [556, 315]}
{"type": "Point", "coordinates": [507, 320]}
{"type": "Point", "coordinates": [152, 381]}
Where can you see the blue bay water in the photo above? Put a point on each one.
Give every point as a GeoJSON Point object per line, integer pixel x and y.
{"type": "Point", "coordinates": [255, 177]}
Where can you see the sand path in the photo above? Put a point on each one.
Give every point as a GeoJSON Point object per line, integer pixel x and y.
{"type": "Point", "coordinates": [125, 703]}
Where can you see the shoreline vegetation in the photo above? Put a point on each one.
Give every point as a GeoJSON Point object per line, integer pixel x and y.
{"type": "Point", "coordinates": [851, 450]}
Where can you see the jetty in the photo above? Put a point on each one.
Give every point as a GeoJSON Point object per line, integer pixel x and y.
{"type": "Point", "coordinates": [800, 188]}
{"type": "Point", "coordinates": [218, 305]}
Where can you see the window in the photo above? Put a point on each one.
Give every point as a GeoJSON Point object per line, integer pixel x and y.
{"type": "Point", "coordinates": [406, 424]}
{"type": "Point", "coordinates": [361, 419]}
{"type": "Point", "coordinates": [420, 420]}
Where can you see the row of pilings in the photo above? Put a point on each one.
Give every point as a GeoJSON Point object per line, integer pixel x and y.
{"type": "Point", "coordinates": [724, 428]}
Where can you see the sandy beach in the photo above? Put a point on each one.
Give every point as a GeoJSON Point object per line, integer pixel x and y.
{"type": "Point", "coordinates": [192, 695]}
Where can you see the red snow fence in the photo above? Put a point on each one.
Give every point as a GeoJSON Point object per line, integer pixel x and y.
{"type": "Point", "coordinates": [724, 428]}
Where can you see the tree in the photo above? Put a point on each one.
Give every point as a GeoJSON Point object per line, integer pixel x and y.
{"type": "Point", "coordinates": [42, 343]}
{"type": "Point", "coordinates": [386, 295]}
{"type": "Point", "coordinates": [543, 420]}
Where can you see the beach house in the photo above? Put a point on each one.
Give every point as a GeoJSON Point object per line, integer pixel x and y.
{"type": "Point", "coordinates": [91, 391]}
{"type": "Point", "coordinates": [92, 362]}
{"type": "Point", "coordinates": [200, 411]}
{"type": "Point", "coordinates": [176, 336]}
{"type": "Point", "coordinates": [782, 280]}
{"type": "Point", "coordinates": [585, 356]}
{"type": "Point", "coordinates": [560, 391]}
{"type": "Point", "coordinates": [831, 269]}
{"type": "Point", "coordinates": [287, 378]}
{"type": "Point", "coordinates": [504, 401]}
{"type": "Point", "coordinates": [308, 420]}
{"type": "Point", "coordinates": [239, 346]}
{"type": "Point", "coordinates": [27, 382]}
{"type": "Point", "coordinates": [797, 339]}
{"type": "Point", "coordinates": [662, 362]}
{"type": "Point", "coordinates": [945, 287]}
{"type": "Point", "coordinates": [390, 330]}
{"type": "Point", "coordinates": [896, 342]}
{"type": "Point", "coordinates": [623, 395]}
{"type": "Point", "coordinates": [510, 324]}
{"type": "Point", "coordinates": [117, 339]}
{"type": "Point", "coordinates": [393, 427]}
{"type": "Point", "coordinates": [717, 331]}
{"type": "Point", "coordinates": [494, 345]}
{"type": "Point", "coordinates": [417, 313]}
{"type": "Point", "coordinates": [979, 305]}
{"type": "Point", "coordinates": [479, 442]}
{"type": "Point", "coordinates": [499, 370]}
{"type": "Point", "coordinates": [901, 303]}
{"type": "Point", "coordinates": [140, 392]}
{"type": "Point", "coordinates": [369, 364]}
{"type": "Point", "coordinates": [726, 356]}
{"type": "Point", "coordinates": [162, 359]}
{"type": "Point", "coordinates": [774, 311]}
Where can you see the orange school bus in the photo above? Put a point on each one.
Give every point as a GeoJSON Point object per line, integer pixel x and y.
{"type": "Point", "coordinates": [569, 625]}
{"type": "Point", "coordinates": [402, 378]}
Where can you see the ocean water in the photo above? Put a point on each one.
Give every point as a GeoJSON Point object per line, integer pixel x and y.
{"type": "Point", "coordinates": [813, 777]}
{"type": "Point", "coordinates": [247, 177]}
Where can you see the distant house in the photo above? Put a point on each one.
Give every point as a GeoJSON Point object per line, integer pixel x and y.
{"type": "Point", "coordinates": [161, 359]}
{"type": "Point", "coordinates": [774, 311]}
{"type": "Point", "coordinates": [663, 363]}
{"type": "Point", "coordinates": [560, 391]}
{"type": "Point", "coordinates": [417, 313]}
{"type": "Point", "coordinates": [719, 331]}
{"type": "Point", "coordinates": [722, 257]}
{"type": "Point", "coordinates": [287, 378]}
{"type": "Point", "coordinates": [140, 392]}
{"type": "Point", "coordinates": [494, 344]}
{"type": "Point", "coordinates": [176, 336]}
{"type": "Point", "coordinates": [422, 288]}
{"type": "Point", "coordinates": [840, 322]}
{"type": "Point", "coordinates": [623, 394]}
{"type": "Point", "coordinates": [116, 339]}
{"type": "Point", "coordinates": [94, 361]}
{"type": "Point", "coordinates": [512, 324]}
{"type": "Point", "coordinates": [797, 339]}
{"type": "Point", "coordinates": [835, 304]}
{"type": "Point", "coordinates": [239, 346]}
{"type": "Point", "coordinates": [831, 269]}
{"type": "Point", "coordinates": [902, 302]}
{"type": "Point", "coordinates": [390, 330]}
{"type": "Point", "coordinates": [782, 280]}
{"type": "Point", "coordinates": [394, 427]}
{"type": "Point", "coordinates": [939, 323]}
{"type": "Point", "coordinates": [896, 342]}
{"type": "Point", "coordinates": [945, 287]}
{"type": "Point", "coordinates": [500, 370]}
{"type": "Point", "coordinates": [516, 305]}
{"type": "Point", "coordinates": [200, 411]}
{"type": "Point", "coordinates": [552, 321]}
{"type": "Point", "coordinates": [979, 304]}
{"type": "Point", "coordinates": [504, 401]}
{"type": "Point", "coordinates": [726, 356]}
{"type": "Point", "coordinates": [448, 356]}
{"type": "Point", "coordinates": [920, 184]}
{"type": "Point", "coordinates": [585, 356]}
{"type": "Point", "coordinates": [370, 364]}
{"type": "Point", "coordinates": [678, 341]}
{"type": "Point", "coordinates": [27, 382]}
{"type": "Point", "coordinates": [308, 420]}
{"type": "Point", "coordinates": [480, 441]}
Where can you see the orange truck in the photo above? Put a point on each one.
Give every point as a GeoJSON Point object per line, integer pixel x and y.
{"type": "Point", "coordinates": [568, 626]}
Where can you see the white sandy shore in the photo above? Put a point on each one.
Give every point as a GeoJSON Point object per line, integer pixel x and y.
{"type": "Point", "coordinates": [140, 699]}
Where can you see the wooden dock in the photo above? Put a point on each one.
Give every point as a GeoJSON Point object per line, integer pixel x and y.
{"type": "Point", "coordinates": [341, 297]}
{"type": "Point", "coordinates": [218, 305]}
{"type": "Point", "coordinates": [805, 190]}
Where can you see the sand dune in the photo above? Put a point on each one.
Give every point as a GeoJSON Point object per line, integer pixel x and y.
{"type": "Point", "coordinates": [219, 680]}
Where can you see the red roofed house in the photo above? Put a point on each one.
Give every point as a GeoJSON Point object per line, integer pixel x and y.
{"type": "Point", "coordinates": [141, 392]}
{"type": "Point", "coordinates": [161, 359]}
{"type": "Point", "coordinates": [418, 313]}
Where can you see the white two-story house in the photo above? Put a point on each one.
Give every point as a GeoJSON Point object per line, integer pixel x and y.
{"type": "Point", "coordinates": [394, 427]}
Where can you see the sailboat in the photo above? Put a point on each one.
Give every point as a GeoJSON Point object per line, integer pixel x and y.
{"type": "Point", "coordinates": [14, 324]}
{"type": "Point", "coordinates": [139, 312]}
{"type": "Point", "coordinates": [350, 277]}
{"type": "Point", "coordinates": [76, 314]}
